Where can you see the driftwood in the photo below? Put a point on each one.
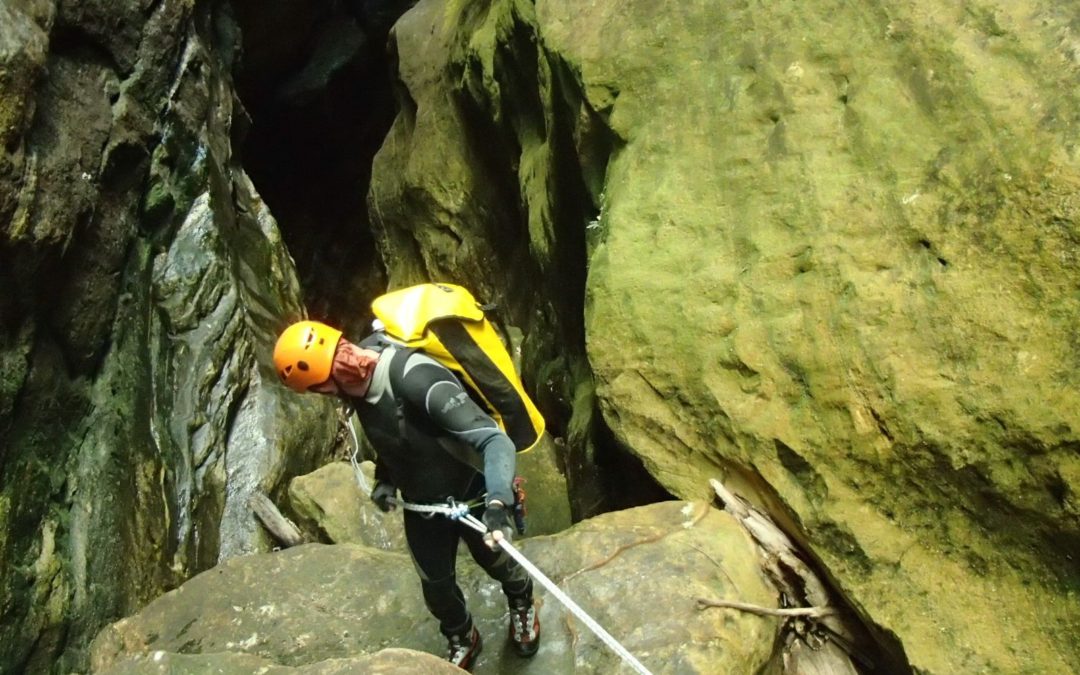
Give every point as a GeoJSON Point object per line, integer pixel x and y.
{"type": "Point", "coordinates": [801, 658]}
{"type": "Point", "coordinates": [813, 612]}
{"type": "Point", "coordinates": [280, 527]}
{"type": "Point", "coordinates": [777, 548]}
{"type": "Point", "coordinates": [815, 639]}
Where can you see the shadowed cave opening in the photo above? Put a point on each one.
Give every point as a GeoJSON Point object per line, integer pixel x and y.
{"type": "Point", "coordinates": [314, 78]}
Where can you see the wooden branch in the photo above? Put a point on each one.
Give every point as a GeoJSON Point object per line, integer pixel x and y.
{"type": "Point", "coordinates": [776, 545]}
{"type": "Point", "coordinates": [780, 560]}
{"type": "Point", "coordinates": [280, 527]}
{"type": "Point", "coordinates": [816, 612]}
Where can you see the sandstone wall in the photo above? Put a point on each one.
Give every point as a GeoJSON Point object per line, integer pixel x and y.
{"type": "Point", "coordinates": [831, 256]}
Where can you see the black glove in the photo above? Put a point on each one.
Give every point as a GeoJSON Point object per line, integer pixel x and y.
{"type": "Point", "coordinates": [382, 494]}
{"type": "Point", "coordinates": [497, 519]}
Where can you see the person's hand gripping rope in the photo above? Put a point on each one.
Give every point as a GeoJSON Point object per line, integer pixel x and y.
{"type": "Point", "coordinates": [498, 522]}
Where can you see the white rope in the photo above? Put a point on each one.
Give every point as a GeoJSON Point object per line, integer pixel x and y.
{"type": "Point", "coordinates": [360, 478]}
{"type": "Point", "coordinates": [562, 597]}
{"type": "Point", "coordinates": [460, 512]}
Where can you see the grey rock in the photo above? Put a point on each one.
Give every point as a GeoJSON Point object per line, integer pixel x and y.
{"type": "Point", "coordinates": [636, 573]}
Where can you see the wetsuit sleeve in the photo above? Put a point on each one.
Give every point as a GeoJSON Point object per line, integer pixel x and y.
{"type": "Point", "coordinates": [432, 388]}
{"type": "Point", "coordinates": [382, 474]}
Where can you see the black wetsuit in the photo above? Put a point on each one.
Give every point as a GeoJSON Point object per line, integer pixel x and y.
{"type": "Point", "coordinates": [434, 442]}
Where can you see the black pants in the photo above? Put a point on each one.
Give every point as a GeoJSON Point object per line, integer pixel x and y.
{"type": "Point", "coordinates": [433, 543]}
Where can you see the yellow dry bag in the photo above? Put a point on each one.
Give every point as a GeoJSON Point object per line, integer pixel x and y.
{"type": "Point", "coordinates": [449, 325]}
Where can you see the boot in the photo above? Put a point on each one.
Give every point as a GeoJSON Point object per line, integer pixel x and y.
{"type": "Point", "coordinates": [524, 627]}
{"type": "Point", "coordinates": [464, 648]}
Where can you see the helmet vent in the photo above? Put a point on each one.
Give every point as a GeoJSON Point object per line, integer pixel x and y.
{"type": "Point", "coordinates": [302, 365]}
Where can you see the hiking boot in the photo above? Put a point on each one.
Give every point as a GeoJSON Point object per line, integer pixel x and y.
{"type": "Point", "coordinates": [464, 648]}
{"type": "Point", "coordinates": [524, 627]}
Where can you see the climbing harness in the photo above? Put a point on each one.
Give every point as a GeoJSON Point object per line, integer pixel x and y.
{"type": "Point", "coordinates": [459, 511]}
{"type": "Point", "coordinates": [452, 509]}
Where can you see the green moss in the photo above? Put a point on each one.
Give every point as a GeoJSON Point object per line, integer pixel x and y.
{"type": "Point", "coordinates": [584, 411]}
{"type": "Point", "coordinates": [179, 171]}
{"type": "Point", "coordinates": [5, 533]}
{"type": "Point", "coordinates": [159, 202]}
{"type": "Point", "coordinates": [985, 19]}
{"type": "Point", "coordinates": [13, 371]}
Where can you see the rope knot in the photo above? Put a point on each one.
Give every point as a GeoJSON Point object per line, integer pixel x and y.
{"type": "Point", "coordinates": [456, 511]}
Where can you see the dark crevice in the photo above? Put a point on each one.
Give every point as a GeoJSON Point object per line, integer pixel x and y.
{"type": "Point", "coordinates": [929, 247]}
{"type": "Point", "coordinates": [576, 207]}
{"type": "Point", "coordinates": [74, 43]}
{"type": "Point", "coordinates": [495, 150]}
{"type": "Point", "coordinates": [625, 480]}
{"type": "Point", "coordinates": [498, 130]}
{"type": "Point", "coordinates": [882, 427]}
{"type": "Point", "coordinates": [315, 81]}
{"type": "Point", "coordinates": [803, 471]}
{"type": "Point", "coordinates": [880, 651]}
{"type": "Point", "coordinates": [629, 484]}
{"type": "Point", "coordinates": [500, 125]}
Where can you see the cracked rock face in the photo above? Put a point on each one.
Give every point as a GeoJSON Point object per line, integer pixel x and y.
{"type": "Point", "coordinates": [144, 280]}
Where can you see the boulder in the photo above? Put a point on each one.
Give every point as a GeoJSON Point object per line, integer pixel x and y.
{"type": "Point", "coordinates": [831, 256]}
{"type": "Point", "coordinates": [144, 280]}
{"type": "Point", "coordinates": [384, 662]}
{"type": "Point", "coordinates": [637, 573]}
{"type": "Point", "coordinates": [331, 506]}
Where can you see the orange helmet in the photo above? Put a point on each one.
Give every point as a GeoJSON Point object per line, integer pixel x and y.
{"type": "Point", "coordinates": [304, 354]}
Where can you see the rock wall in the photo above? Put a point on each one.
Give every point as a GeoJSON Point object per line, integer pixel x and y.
{"type": "Point", "coordinates": [830, 255]}
{"type": "Point", "coordinates": [488, 178]}
{"type": "Point", "coordinates": [143, 282]}
{"type": "Point", "coordinates": [825, 251]}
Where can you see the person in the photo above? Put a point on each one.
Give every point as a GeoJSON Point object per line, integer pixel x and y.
{"type": "Point", "coordinates": [433, 443]}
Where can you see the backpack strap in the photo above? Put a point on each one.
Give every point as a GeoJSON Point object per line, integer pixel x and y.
{"type": "Point", "coordinates": [397, 376]}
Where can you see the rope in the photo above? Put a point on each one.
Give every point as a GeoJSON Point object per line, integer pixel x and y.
{"type": "Point", "coordinates": [460, 512]}
{"type": "Point", "coordinates": [562, 597]}
{"type": "Point", "coordinates": [364, 487]}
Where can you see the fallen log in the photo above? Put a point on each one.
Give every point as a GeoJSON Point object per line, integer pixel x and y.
{"type": "Point", "coordinates": [279, 527]}
{"type": "Point", "coordinates": [815, 638]}
{"type": "Point", "coordinates": [813, 612]}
